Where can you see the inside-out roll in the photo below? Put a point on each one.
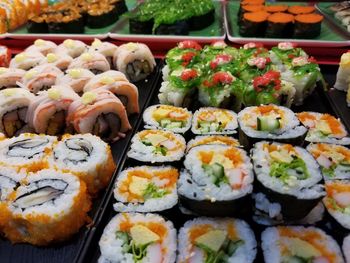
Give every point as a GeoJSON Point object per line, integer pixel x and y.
{"type": "Point", "coordinates": [26, 60]}
{"type": "Point", "coordinates": [10, 76]}
{"type": "Point", "coordinates": [61, 61]}
{"type": "Point", "coordinates": [93, 61]}
{"type": "Point", "coordinates": [73, 48]}
{"type": "Point", "coordinates": [76, 78]}
{"type": "Point", "coordinates": [42, 46]}
{"type": "Point", "coordinates": [105, 48]}
{"type": "Point", "coordinates": [9, 181]}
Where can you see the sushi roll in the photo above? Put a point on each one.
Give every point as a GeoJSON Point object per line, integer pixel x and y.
{"type": "Point", "coordinates": [307, 25]}
{"type": "Point", "coordinates": [174, 20]}
{"type": "Point", "coordinates": [254, 24]}
{"type": "Point", "coordinates": [216, 240]}
{"type": "Point", "coordinates": [49, 202]}
{"type": "Point", "coordinates": [203, 15]}
{"type": "Point", "coordinates": [66, 21]}
{"type": "Point", "coordinates": [61, 61]}
{"type": "Point", "coordinates": [5, 56]}
{"type": "Point", "coordinates": [220, 57]}
{"type": "Point", "coordinates": [41, 77]}
{"type": "Point", "coordinates": [101, 14]}
{"type": "Point", "coordinates": [269, 122]}
{"type": "Point", "coordinates": [300, 9]}
{"type": "Point", "coordinates": [212, 139]}
{"type": "Point", "coordinates": [146, 189]}
{"type": "Point", "coordinates": [157, 146]}
{"type": "Point", "coordinates": [135, 237]}
{"type": "Point", "coordinates": [42, 46]}
{"type": "Point", "coordinates": [105, 78]}
{"type": "Point", "coordinates": [169, 118]}
{"type": "Point", "coordinates": [337, 201]}
{"type": "Point", "coordinates": [86, 156]}
{"type": "Point", "coordinates": [218, 181]}
{"type": "Point", "coordinates": [14, 104]}
{"type": "Point", "coordinates": [26, 60]}
{"type": "Point", "coordinates": [37, 24]}
{"type": "Point", "coordinates": [142, 20]}
{"type": "Point", "coordinates": [10, 76]}
{"type": "Point", "coordinates": [288, 175]}
{"type": "Point", "coordinates": [73, 48]}
{"type": "Point", "coordinates": [248, 9]}
{"type": "Point", "coordinates": [299, 244]}
{"type": "Point", "coordinates": [276, 8]}
{"type": "Point", "coordinates": [27, 151]}
{"type": "Point", "coordinates": [333, 159]}
{"type": "Point", "coordinates": [252, 49]}
{"type": "Point", "coordinates": [135, 60]}
{"type": "Point", "coordinates": [210, 120]}
{"type": "Point", "coordinates": [76, 78]}
{"type": "Point", "coordinates": [100, 113]}
{"type": "Point", "coordinates": [279, 25]}
{"type": "Point", "coordinates": [119, 5]}
{"type": "Point", "coordinates": [342, 81]}
{"type": "Point", "coordinates": [105, 48]}
{"type": "Point", "coordinates": [346, 248]}
{"type": "Point", "coordinates": [324, 128]}
{"type": "Point", "coordinates": [47, 113]}
{"type": "Point", "coordinates": [254, 66]}
{"type": "Point", "coordinates": [9, 181]}
{"type": "Point", "coordinates": [93, 61]}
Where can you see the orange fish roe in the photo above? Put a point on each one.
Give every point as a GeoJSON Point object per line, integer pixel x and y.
{"type": "Point", "coordinates": [234, 155]}
{"type": "Point", "coordinates": [333, 123]}
{"type": "Point", "coordinates": [206, 157]}
{"type": "Point", "coordinates": [198, 231]}
{"type": "Point", "coordinates": [304, 116]}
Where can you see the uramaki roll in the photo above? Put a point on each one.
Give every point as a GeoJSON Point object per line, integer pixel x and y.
{"type": "Point", "coordinates": [279, 25]}
{"type": "Point", "coordinates": [307, 26]}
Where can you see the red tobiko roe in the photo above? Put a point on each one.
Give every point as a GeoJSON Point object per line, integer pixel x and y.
{"type": "Point", "coordinates": [291, 56]}
{"type": "Point", "coordinates": [270, 77]}
{"type": "Point", "coordinates": [189, 44]}
{"type": "Point", "coordinates": [312, 60]}
{"type": "Point", "coordinates": [222, 58]}
{"type": "Point", "coordinates": [189, 74]}
{"type": "Point", "coordinates": [187, 57]}
{"type": "Point", "coordinates": [222, 77]}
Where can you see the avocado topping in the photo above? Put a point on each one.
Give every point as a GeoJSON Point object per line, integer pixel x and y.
{"type": "Point", "coordinates": [216, 172]}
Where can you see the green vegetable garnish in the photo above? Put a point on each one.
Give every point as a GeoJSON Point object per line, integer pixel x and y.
{"type": "Point", "coordinates": [152, 191]}
{"type": "Point", "coordinates": [280, 170]}
{"type": "Point", "coordinates": [217, 173]}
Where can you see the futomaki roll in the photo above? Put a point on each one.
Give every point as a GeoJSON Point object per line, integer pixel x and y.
{"type": "Point", "coordinates": [93, 61]}
{"type": "Point", "coordinates": [42, 46]}
{"type": "Point", "coordinates": [73, 48]}
{"type": "Point", "coordinates": [10, 76]}
{"type": "Point", "coordinates": [135, 237]}
{"type": "Point", "coordinates": [146, 189]}
{"type": "Point", "coordinates": [76, 78]}
{"type": "Point", "coordinates": [212, 139]}
{"type": "Point", "coordinates": [26, 60]}
{"type": "Point", "coordinates": [216, 240]}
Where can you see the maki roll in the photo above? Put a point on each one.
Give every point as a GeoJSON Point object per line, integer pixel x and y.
{"type": "Point", "coordinates": [146, 189]}
{"type": "Point", "coordinates": [9, 77]}
{"type": "Point", "coordinates": [307, 25]}
{"type": "Point", "coordinates": [299, 244]}
{"type": "Point", "coordinates": [254, 24]}
{"type": "Point", "coordinates": [214, 121]}
{"type": "Point", "coordinates": [337, 201]}
{"type": "Point", "coordinates": [216, 240]}
{"type": "Point", "coordinates": [86, 156]}
{"type": "Point", "coordinates": [26, 60]}
{"type": "Point", "coordinates": [279, 25]}
{"type": "Point", "coordinates": [288, 175]}
{"type": "Point", "coordinates": [68, 21]}
{"type": "Point", "coordinates": [105, 48]}
{"type": "Point", "coordinates": [248, 9]}
{"type": "Point", "coordinates": [48, 111]}
{"type": "Point", "coordinates": [324, 127]}
{"type": "Point", "coordinates": [203, 14]}
{"type": "Point", "coordinates": [27, 151]}
{"type": "Point", "coordinates": [218, 181]}
{"type": "Point", "coordinates": [49, 202]}
{"type": "Point", "coordinates": [300, 9]}
{"type": "Point", "coordinates": [333, 159]}
{"type": "Point", "coordinates": [119, 5]}
{"type": "Point", "coordinates": [76, 78]}
{"type": "Point", "coordinates": [61, 61]}
{"type": "Point", "coordinates": [276, 8]}
{"type": "Point", "coordinates": [134, 237]}
{"type": "Point", "coordinates": [135, 60]}
{"type": "Point", "coordinates": [212, 139]}
{"type": "Point", "coordinates": [342, 81]}
{"type": "Point", "coordinates": [157, 146]}
{"type": "Point", "coordinates": [142, 20]}
{"type": "Point", "coordinates": [42, 46]}
{"type": "Point", "coordinates": [346, 248]}
{"type": "Point", "coordinates": [269, 122]}
{"type": "Point", "coordinates": [14, 104]}
{"type": "Point", "coordinates": [101, 14]}
{"type": "Point", "coordinates": [93, 61]}
{"type": "Point", "coordinates": [37, 24]}
{"type": "Point", "coordinates": [169, 118]}
{"type": "Point", "coordinates": [73, 48]}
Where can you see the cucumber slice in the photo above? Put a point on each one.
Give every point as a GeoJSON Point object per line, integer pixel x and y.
{"type": "Point", "coordinates": [164, 123]}
{"type": "Point", "coordinates": [216, 171]}
{"type": "Point", "coordinates": [174, 125]}
{"type": "Point", "coordinates": [204, 126]}
{"type": "Point", "coordinates": [268, 124]}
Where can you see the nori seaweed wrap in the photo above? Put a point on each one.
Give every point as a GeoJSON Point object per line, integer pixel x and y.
{"type": "Point", "coordinates": [37, 24]}
{"type": "Point", "coordinates": [203, 14]}
{"type": "Point", "coordinates": [68, 21]}
{"type": "Point", "coordinates": [101, 15]}
{"type": "Point", "coordinates": [254, 24]}
{"type": "Point", "coordinates": [279, 25]}
{"type": "Point", "coordinates": [307, 26]}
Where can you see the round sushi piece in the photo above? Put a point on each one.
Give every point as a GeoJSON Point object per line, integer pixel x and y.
{"type": "Point", "coordinates": [9, 181]}
{"type": "Point", "coordinates": [76, 78]}
{"type": "Point", "coordinates": [145, 238]}
{"type": "Point", "coordinates": [166, 117]}
{"type": "Point", "coordinates": [101, 14]}
{"type": "Point", "coordinates": [157, 146]}
{"type": "Point", "coordinates": [269, 122]}
{"type": "Point", "coordinates": [324, 128]}
{"type": "Point", "coordinates": [86, 156]}
{"type": "Point", "coordinates": [105, 78]}
{"type": "Point", "coordinates": [146, 189]}
{"type": "Point", "coordinates": [26, 60]}
{"type": "Point", "coordinates": [105, 48]}
{"type": "Point", "coordinates": [93, 61]}
{"type": "Point", "coordinates": [288, 175]}
{"type": "Point", "coordinates": [337, 201]}
{"type": "Point", "coordinates": [135, 60]}
{"type": "Point", "coordinates": [212, 139]}
{"type": "Point", "coordinates": [9, 77]}
{"type": "Point", "coordinates": [211, 120]}
{"type": "Point", "coordinates": [301, 9]}
{"type": "Point", "coordinates": [61, 61]}
{"type": "Point", "coordinates": [299, 244]}
{"type": "Point", "coordinates": [307, 25]}
{"type": "Point", "coordinates": [276, 8]}
{"type": "Point", "coordinates": [221, 240]}
{"type": "Point", "coordinates": [218, 180]}
{"type": "Point", "coordinates": [254, 24]}
{"type": "Point", "coordinates": [28, 151]}
{"type": "Point", "coordinates": [333, 159]}
{"type": "Point", "coordinates": [346, 248]}
{"type": "Point", "coordinates": [42, 46]}
{"type": "Point", "coordinates": [73, 48]}
{"type": "Point", "coordinates": [14, 104]}
{"type": "Point", "coordinates": [279, 25]}
{"type": "Point", "coordinates": [49, 206]}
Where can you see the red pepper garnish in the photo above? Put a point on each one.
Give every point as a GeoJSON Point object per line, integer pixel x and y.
{"type": "Point", "coordinates": [312, 60]}
{"type": "Point", "coordinates": [189, 44]}
{"type": "Point", "coordinates": [220, 59]}
{"type": "Point", "coordinates": [270, 77]}
{"type": "Point", "coordinates": [189, 74]}
{"type": "Point", "coordinates": [222, 77]}
{"type": "Point", "coordinates": [187, 57]}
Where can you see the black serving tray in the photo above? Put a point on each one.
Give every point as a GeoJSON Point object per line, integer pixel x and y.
{"type": "Point", "coordinates": [320, 101]}
{"type": "Point", "coordinates": [69, 250]}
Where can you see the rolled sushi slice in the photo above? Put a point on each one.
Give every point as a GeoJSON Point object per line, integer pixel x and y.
{"type": "Point", "coordinates": [42, 46]}
{"type": "Point", "coordinates": [324, 128]}
{"type": "Point", "coordinates": [9, 77]}
{"type": "Point", "coordinates": [93, 61]}
{"type": "Point", "coordinates": [28, 151]}
{"type": "Point", "coordinates": [333, 159]}
{"type": "Point", "coordinates": [135, 237]}
{"type": "Point", "coordinates": [342, 82]}
{"type": "Point", "coordinates": [221, 240]}
{"type": "Point", "coordinates": [86, 156]}
{"type": "Point", "coordinates": [100, 113]}
{"type": "Point", "coordinates": [203, 14]}
{"type": "Point", "coordinates": [61, 61]}
{"type": "Point", "coordinates": [254, 24]}
{"type": "Point", "coordinates": [9, 181]}
{"type": "Point", "coordinates": [157, 146]}
{"type": "Point", "coordinates": [212, 139]}
{"type": "Point", "coordinates": [105, 78]}
{"type": "Point", "coordinates": [218, 180]}
{"type": "Point", "coordinates": [169, 118]}
{"type": "Point", "coordinates": [255, 66]}
{"type": "Point", "coordinates": [210, 120]}
{"type": "Point", "coordinates": [135, 60]}
{"type": "Point", "coordinates": [220, 58]}
{"type": "Point", "coordinates": [307, 25]}
{"type": "Point", "coordinates": [14, 104]}
{"type": "Point", "coordinates": [346, 248]}
{"type": "Point", "coordinates": [105, 48]}
{"type": "Point", "coordinates": [50, 201]}
{"type": "Point", "coordinates": [279, 25]}
{"type": "Point", "coordinates": [76, 78]}
{"type": "Point", "coordinates": [299, 244]}
{"type": "Point", "coordinates": [146, 189]}
{"type": "Point", "coordinates": [252, 49]}
{"type": "Point", "coordinates": [73, 48]}
{"type": "Point", "coordinates": [269, 122]}
{"type": "Point", "coordinates": [26, 60]}
{"type": "Point", "coordinates": [289, 175]}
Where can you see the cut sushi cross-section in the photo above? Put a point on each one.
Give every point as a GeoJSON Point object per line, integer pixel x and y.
{"type": "Point", "coordinates": [283, 54]}
{"type": "Point", "coordinates": [9, 181]}
{"type": "Point", "coordinates": [212, 139]}
{"type": "Point", "coordinates": [9, 77]}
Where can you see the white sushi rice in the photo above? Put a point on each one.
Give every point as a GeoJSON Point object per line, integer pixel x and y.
{"type": "Point", "coordinates": [168, 94]}
{"type": "Point", "coordinates": [201, 140]}
{"type": "Point", "coordinates": [150, 205]}
{"type": "Point", "coordinates": [111, 247]}
{"type": "Point", "coordinates": [165, 72]}
{"type": "Point", "coordinates": [346, 248]}
{"type": "Point", "coordinates": [9, 181]}
{"type": "Point", "coordinates": [187, 252]}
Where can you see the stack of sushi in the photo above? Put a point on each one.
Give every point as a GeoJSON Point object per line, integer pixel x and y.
{"type": "Point", "coordinates": [278, 21]}
{"type": "Point", "coordinates": [46, 185]}
{"type": "Point", "coordinates": [40, 91]}
{"type": "Point", "coordinates": [222, 76]}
